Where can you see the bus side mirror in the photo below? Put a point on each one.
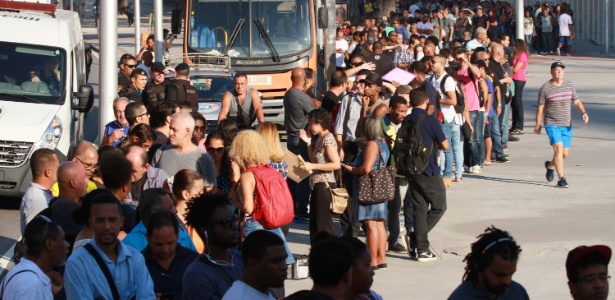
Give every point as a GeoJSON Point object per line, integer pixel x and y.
{"type": "Point", "coordinates": [176, 21]}
{"type": "Point", "coordinates": [323, 18]}
{"type": "Point", "coordinates": [84, 98]}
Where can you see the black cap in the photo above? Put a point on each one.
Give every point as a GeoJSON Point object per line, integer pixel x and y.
{"type": "Point", "coordinates": [557, 64]}
{"type": "Point", "coordinates": [182, 67]}
{"type": "Point", "coordinates": [138, 71]}
{"type": "Point", "coordinates": [373, 78]}
{"type": "Point", "coordinates": [578, 253]}
{"type": "Point", "coordinates": [158, 67]}
{"type": "Point", "coordinates": [371, 39]}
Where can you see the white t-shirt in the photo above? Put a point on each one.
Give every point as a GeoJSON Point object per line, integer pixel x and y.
{"type": "Point", "coordinates": [339, 57]}
{"type": "Point", "coordinates": [448, 111]}
{"type": "Point", "coordinates": [32, 284]}
{"type": "Point", "coordinates": [564, 21]}
{"type": "Point", "coordinates": [240, 290]}
{"type": "Point", "coordinates": [427, 25]}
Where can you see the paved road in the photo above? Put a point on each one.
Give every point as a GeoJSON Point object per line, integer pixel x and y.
{"type": "Point", "coordinates": [546, 221]}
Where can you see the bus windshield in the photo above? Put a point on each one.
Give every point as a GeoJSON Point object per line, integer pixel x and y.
{"type": "Point", "coordinates": [286, 23]}
{"type": "Point", "coordinates": [32, 73]}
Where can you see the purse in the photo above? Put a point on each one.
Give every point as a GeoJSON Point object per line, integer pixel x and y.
{"type": "Point", "coordinates": [377, 186]}
{"type": "Point", "coordinates": [339, 197]}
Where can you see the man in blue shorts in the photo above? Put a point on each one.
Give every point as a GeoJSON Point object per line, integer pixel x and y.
{"type": "Point", "coordinates": [554, 103]}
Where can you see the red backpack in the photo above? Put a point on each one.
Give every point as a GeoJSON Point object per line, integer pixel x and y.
{"type": "Point", "coordinates": [273, 204]}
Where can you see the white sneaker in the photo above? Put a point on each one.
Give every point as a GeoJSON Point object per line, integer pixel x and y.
{"type": "Point", "coordinates": [475, 170]}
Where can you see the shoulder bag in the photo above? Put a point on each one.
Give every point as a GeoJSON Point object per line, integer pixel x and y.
{"type": "Point", "coordinates": [339, 197]}
{"type": "Point", "coordinates": [377, 186]}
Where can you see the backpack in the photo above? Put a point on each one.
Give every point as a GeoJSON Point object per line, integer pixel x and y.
{"type": "Point", "coordinates": [273, 203]}
{"type": "Point", "coordinates": [461, 103]}
{"type": "Point", "coordinates": [411, 155]}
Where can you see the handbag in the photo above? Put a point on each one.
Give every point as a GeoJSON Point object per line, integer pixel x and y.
{"type": "Point", "coordinates": [377, 186]}
{"type": "Point", "coordinates": [466, 131]}
{"type": "Point", "coordinates": [339, 197]}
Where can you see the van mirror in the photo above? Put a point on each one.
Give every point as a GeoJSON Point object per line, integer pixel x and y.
{"type": "Point", "coordinates": [84, 98]}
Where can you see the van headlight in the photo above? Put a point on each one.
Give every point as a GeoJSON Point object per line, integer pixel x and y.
{"type": "Point", "coordinates": [51, 137]}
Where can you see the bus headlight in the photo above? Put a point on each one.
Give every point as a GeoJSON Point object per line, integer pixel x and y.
{"type": "Point", "coordinates": [52, 135]}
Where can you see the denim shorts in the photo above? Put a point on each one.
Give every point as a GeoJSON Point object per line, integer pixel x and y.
{"type": "Point", "coordinates": [559, 134]}
{"type": "Point", "coordinates": [565, 41]}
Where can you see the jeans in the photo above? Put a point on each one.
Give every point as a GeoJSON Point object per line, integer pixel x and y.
{"type": "Point", "coordinates": [429, 204]}
{"type": "Point", "coordinates": [517, 105]}
{"type": "Point", "coordinates": [252, 225]}
{"type": "Point", "coordinates": [547, 41]}
{"type": "Point", "coordinates": [299, 190]}
{"type": "Point", "coordinates": [504, 121]}
{"type": "Point", "coordinates": [477, 119]}
{"type": "Point", "coordinates": [452, 132]}
{"type": "Point", "coordinates": [528, 40]}
{"type": "Point", "coordinates": [394, 207]}
{"type": "Point", "coordinates": [494, 123]}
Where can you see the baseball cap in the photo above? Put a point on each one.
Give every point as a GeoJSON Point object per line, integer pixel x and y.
{"type": "Point", "coordinates": [578, 253]}
{"type": "Point", "coordinates": [403, 89]}
{"type": "Point", "coordinates": [371, 39]}
{"type": "Point", "coordinates": [557, 64]}
{"type": "Point", "coordinates": [138, 71]}
{"type": "Point", "coordinates": [182, 67]}
{"type": "Point", "coordinates": [158, 67]}
{"type": "Point", "coordinates": [373, 78]}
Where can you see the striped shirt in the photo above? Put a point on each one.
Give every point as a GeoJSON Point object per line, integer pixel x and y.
{"type": "Point", "coordinates": [557, 101]}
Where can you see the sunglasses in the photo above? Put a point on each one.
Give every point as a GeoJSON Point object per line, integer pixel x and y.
{"type": "Point", "coordinates": [143, 114]}
{"type": "Point", "coordinates": [131, 66]}
{"type": "Point", "coordinates": [228, 222]}
{"type": "Point", "coordinates": [357, 63]}
{"type": "Point", "coordinates": [212, 150]}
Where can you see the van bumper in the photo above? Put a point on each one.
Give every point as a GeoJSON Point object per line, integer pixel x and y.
{"type": "Point", "coordinates": [15, 181]}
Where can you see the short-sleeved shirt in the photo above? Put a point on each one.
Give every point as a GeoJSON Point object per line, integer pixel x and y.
{"type": "Point", "coordinates": [330, 100]}
{"type": "Point", "coordinates": [296, 106]}
{"type": "Point", "coordinates": [113, 126]}
{"type": "Point", "coordinates": [340, 57]}
{"type": "Point", "coordinates": [431, 132]}
{"type": "Point", "coordinates": [240, 290]}
{"type": "Point", "coordinates": [168, 159]}
{"type": "Point", "coordinates": [469, 87]}
{"type": "Point", "coordinates": [203, 281]}
{"type": "Point", "coordinates": [520, 74]}
{"type": "Point", "coordinates": [320, 157]}
{"type": "Point", "coordinates": [169, 281]}
{"type": "Point", "coordinates": [33, 201]}
{"type": "Point", "coordinates": [564, 20]}
{"type": "Point", "coordinates": [138, 240]}
{"type": "Point", "coordinates": [353, 119]}
{"type": "Point", "coordinates": [384, 64]}
{"type": "Point", "coordinates": [27, 281]}
{"type": "Point", "coordinates": [427, 25]}
{"type": "Point", "coordinates": [558, 102]}
{"type": "Point", "coordinates": [448, 111]}
{"type": "Point", "coordinates": [468, 290]}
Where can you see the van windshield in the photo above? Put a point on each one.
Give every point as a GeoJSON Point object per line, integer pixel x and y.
{"type": "Point", "coordinates": [32, 73]}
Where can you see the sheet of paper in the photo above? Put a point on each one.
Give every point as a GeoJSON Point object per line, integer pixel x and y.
{"type": "Point", "coordinates": [399, 75]}
{"type": "Point", "coordinates": [294, 172]}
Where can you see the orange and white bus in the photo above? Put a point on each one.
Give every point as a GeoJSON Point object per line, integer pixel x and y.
{"type": "Point", "coordinates": [264, 38]}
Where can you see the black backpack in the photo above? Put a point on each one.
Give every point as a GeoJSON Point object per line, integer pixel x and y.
{"type": "Point", "coordinates": [411, 154]}
{"type": "Point", "coordinates": [461, 103]}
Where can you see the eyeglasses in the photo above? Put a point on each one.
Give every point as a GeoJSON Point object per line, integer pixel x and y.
{"type": "Point", "coordinates": [212, 150]}
{"type": "Point", "coordinates": [131, 66]}
{"type": "Point", "coordinates": [356, 63]}
{"type": "Point", "coordinates": [228, 222]}
{"type": "Point", "coordinates": [46, 225]}
{"type": "Point", "coordinates": [143, 114]}
{"type": "Point", "coordinates": [591, 278]}
{"type": "Point", "coordinates": [87, 166]}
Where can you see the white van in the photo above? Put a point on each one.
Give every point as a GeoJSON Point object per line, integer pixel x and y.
{"type": "Point", "coordinates": [43, 95]}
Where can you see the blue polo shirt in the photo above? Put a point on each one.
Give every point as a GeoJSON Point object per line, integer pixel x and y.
{"type": "Point", "coordinates": [113, 126]}
{"type": "Point", "coordinates": [432, 133]}
{"type": "Point", "coordinates": [83, 278]}
{"type": "Point", "coordinates": [170, 281]}
{"type": "Point", "coordinates": [468, 290]}
{"type": "Point", "coordinates": [137, 238]}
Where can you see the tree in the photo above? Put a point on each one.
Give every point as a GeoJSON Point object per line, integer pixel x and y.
{"type": "Point", "coordinates": [121, 6]}
{"type": "Point", "coordinates": [386, 6]}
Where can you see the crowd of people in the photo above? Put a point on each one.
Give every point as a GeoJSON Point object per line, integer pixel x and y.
{"type": "Point", "coordinates": [164, 209]}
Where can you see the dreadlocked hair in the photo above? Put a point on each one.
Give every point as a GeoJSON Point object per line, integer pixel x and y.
{"type": "Point", "coordinates": [492, 242]}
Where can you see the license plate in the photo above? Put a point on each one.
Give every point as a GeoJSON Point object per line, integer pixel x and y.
{"type": "Point", "coordinates": [259, 80]}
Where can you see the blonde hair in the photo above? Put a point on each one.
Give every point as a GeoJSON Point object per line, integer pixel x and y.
{"type": "Point", "coordinates": [270, 134]}
{"type": "Point", "coordinates": [249, 149]}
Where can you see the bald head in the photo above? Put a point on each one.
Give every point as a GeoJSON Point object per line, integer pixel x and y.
{"type": "Point", "coordinates": [137, 155]}
{"type": "Point", "coordinates": [497, 51]}
{"type": "Point", "coordinates": [297, 74]}
{"type": "Point", "coordinates": [86, 154]}
{"type": "Point", "coordinates": [72, 181]}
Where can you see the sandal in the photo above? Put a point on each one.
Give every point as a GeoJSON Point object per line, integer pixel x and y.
{"type": "Point", "coordinates": [458, 179]}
